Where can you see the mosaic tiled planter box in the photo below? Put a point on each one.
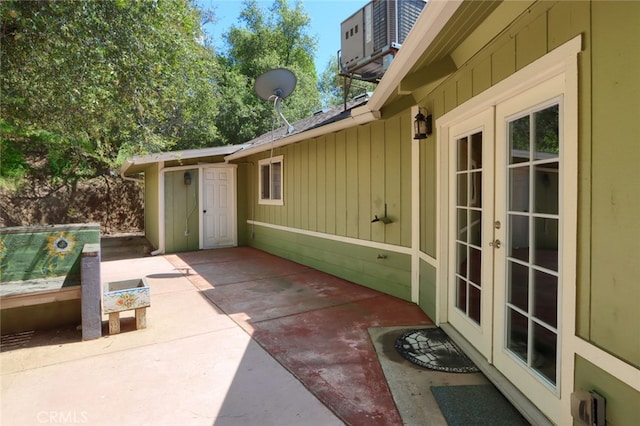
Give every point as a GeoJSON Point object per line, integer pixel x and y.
{"type": "Point", "coordinates": [126, 295]}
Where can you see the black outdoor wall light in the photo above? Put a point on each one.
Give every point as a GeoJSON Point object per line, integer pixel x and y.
{"type": "Point", "coordinates": [422, 126]}
{"type": "Point", "coordinates": [187, 178]}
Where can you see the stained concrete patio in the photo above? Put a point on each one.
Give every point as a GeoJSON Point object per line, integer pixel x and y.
{"type": "Point", "coordinates": [235, 337]}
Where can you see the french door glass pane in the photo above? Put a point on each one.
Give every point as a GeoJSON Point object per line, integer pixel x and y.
{"type": "Point", "coordinates": [476, 151]}
{"type": "Point", "coordinates": [462, 228]}
{"type": "Point", "coordinates": [463, 159]}
{"type": "Point", "coordinates": [519, 189]}
{"type": "Point", "coordinates": [474, 303]}
{"type": "Point", "coordinates": [519, 289]}
{"type": "Point", "coordinates": [475, 266]}
{"type": "Point", "coordinates": [475, 227]}
{"type": "Point", "coordinates": [517, 332]}
{"type": "Point", "coordinates": [468, 225]}
{"type": "Point", "coordinates": [475, 186]}
{"type": "Point", "coordinates": [546, 188]}
{"type": "Point", "coordinates": [547, 139]}
{"type": "Point", "coordinates": [462, 189]}
{"type": "Point", "coordinates": [545, 308]}
{"type": "Point", "coordinates": [545, 243]}
{"type": "Point", "coordinates": [545, 346]}
{"type": "Point", "coordinates": [533, 240]}
{"type": "Point", "coordinates": [519, 140]}
{"type": "Point", "coordinates": [462, 260]}
{"type": "Point", "coordinates": [461, 299]}
{"type": "Point", "coordinates": [519, 237]}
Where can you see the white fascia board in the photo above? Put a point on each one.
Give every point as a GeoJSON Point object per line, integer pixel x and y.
{"type": "Point", "coordinates": [125, 166]}
{"type": "Point", "coordinates": [360, 115]}
{"type": "Point", "coordinates": [431, 21]}
{"type": "Point", "coordinates": [178, 155]}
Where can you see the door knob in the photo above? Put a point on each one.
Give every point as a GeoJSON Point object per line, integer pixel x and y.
{"type": "Point", "coordinates": [204, 211]}
{"type": "Point", "coordinates": [495, 244]}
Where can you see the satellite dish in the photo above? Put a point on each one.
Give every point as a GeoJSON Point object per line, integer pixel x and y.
{"type": "Point", "coordinates": [276, 84]}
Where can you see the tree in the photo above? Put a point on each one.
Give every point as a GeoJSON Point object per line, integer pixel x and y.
{"type": "Point", "coordinates": [331, 86]}
{"type": "Point", "coordinates": [265, 40]}
{"type": "Point", "coordinates": [87, 84]}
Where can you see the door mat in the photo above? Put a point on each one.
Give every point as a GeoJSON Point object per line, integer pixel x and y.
{"type": "Point", "coordinates": [431, 348]}
{"type": "Point", "coordinates": [476, 405]}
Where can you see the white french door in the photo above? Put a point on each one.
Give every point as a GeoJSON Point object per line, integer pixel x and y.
{"type": "Point", "coordinates": [505, 176]}
{"type": "Point", "coordinates": [471, 168]}
{"type": "Point", "coordinates": [218, 213]}
{"type": "Point", "coordinates": [528, 267]}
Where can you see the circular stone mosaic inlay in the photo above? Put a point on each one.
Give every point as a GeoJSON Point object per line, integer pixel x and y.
{"type": "Point", "coordinates": [431, 348]}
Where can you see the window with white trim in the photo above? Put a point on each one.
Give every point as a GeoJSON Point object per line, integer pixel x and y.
{"type": "Point", "coordinates": [270, 181]}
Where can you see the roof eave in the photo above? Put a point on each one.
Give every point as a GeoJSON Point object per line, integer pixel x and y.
{"type": "Point", "coordinates": [359, 115]}
{"type": "Point", "coordinates": [176, 155]}
{"type": "Point", "coordinates": [435, 15]}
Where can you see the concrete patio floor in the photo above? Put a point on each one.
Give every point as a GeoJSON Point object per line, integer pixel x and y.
{"type": "Point", "coordinates": [235, 337]}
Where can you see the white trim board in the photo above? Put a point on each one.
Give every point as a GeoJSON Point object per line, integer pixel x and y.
{"type": "Point", "coordinates": [431, 261]}
{"type": "Point", "coordinates": [415, 212]}
{"type": "Point", "coordinates": [626, 373]}
{"type": "Point", "coordinates": [338, 238]}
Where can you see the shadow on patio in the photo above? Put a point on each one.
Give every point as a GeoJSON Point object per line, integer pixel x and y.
{"type": "Point", "coordinates": [222, 325]}
{"type": "Point", "coordinates": [312, 323]}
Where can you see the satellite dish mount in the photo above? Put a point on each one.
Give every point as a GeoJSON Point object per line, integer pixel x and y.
{"type": "Point", "coordinates": [276, 85]}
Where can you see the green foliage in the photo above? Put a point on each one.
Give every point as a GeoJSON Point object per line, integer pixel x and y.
{"type": "Point", "coordinates": [103, 80]}
{"type": "Point", "coordinates": [13, 165]}
{"type": "Point", "coordinates": [537, 131]}
{"type": "Point", "coordinates": [331, 86]}
{"type": "Point", "coordinates": [87, 84]}
{"type": "Point", "coordinates": [265, 40]}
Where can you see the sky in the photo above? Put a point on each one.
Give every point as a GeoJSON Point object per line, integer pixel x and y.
{"type": "Point", "coordinates": [326, 17]}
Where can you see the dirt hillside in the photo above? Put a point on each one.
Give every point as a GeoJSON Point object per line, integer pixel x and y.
{"type": "Point", "coordinates": [111, 201]}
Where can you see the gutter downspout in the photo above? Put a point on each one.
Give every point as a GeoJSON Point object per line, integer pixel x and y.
{"type": "Point", "coordinates": [123, 169]}
{"type": "Point", "coordinates": [161, 218]}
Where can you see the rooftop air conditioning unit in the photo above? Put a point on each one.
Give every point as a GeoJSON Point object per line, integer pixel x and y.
{"type": "Point", "coordinates": [374, 32]}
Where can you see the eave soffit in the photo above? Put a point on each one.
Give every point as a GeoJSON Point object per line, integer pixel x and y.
{"type": "Point", "coordinates": [469, 29]}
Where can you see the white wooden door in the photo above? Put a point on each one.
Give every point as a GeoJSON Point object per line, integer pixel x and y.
{"type": "Point", "coordinates": [470, 299]}
{"type": "Point", "coordinates": [218, 212]}
{"type": "Point", "coordinates": [528, 268]}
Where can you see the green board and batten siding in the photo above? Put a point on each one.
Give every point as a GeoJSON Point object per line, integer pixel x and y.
{"type": "Point", "coordinates": [608, 155]}
{"type": "Point", "coordinates": [359, 264]}
{"type": "Point", "coordinates": [621, 400]}
{"type": "Point", "coordinates": [152, 205]}
{"type": "Point", "coordinates": [336, 185]}
{"type": "Point", "coordinates": [181, 212]}
{"type": "Point", "coordinates": [345, 180]}
{"type": "Point", "coordinates": [427, 293]}
{"type": "Point", "coordinates": [609, 312]}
